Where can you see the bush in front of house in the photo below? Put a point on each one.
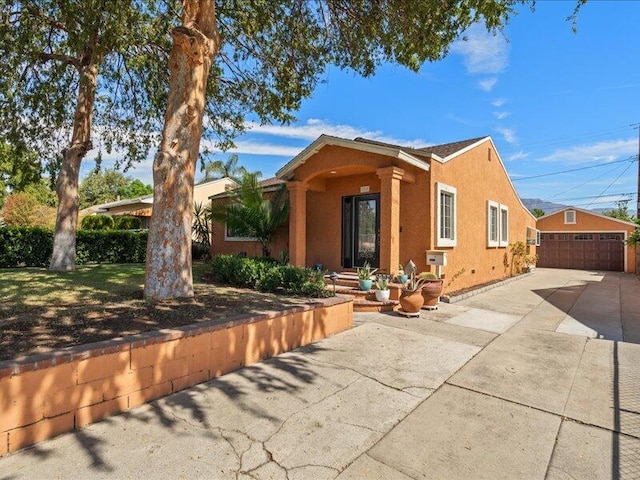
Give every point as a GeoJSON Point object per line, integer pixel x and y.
{"type": "Point", "coordinates": [97, 222]}
{"type": "Point", "coordinates": [111, 246]}
{"type": "Point", "coordinates": [126, 222]}
{"type": "Point", "coordinates": [25, 246]}
{"type": "Point", "coordinates": [32, 246]}
{"type": "Point", "coordinates": [265, 275]}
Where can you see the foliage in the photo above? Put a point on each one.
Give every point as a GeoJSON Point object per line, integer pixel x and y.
{"type": "Point", "coordinates": [217, 169]}
{"type": "Point", "coordinates": [537, 212]}
{"type": "Point", "coordinates": [97, 222]}
{"type": "Point", "coordinates": [251, 214]}
{"type": "Point", "coordinates": [365, 272]}
{"type": "Point", "coordinates": [267, 276]}
{"type": "Point", "coordinates": [201, 227]}
{"type": "Point", "coordinates": [111, 246]}
{"type": "Point", "coordinates": [32, 246]}
{"type": "Point", "coordinates": [18, 169]}
{"type": "Point", "coordinates": [42, 192]}
{"type": "Point", "coordinates": [621, 212]}
{"type": "Point", "coordinates": [109, 186]}
{"type": "Point", "coordinates": [634, 238]}
{"type": "Point", "coordinates": [199, 251]}
{"type": "Point", "coordinates": [23, 210]}
{"type": "Point", "coordinates": [25, 246]}
{"type": "Point", "coordinates": [45, 45]}
{"type": "Point", "coordinates": [126, 222]}
{"type": "Point", "coordinates": [520, 258]}
{"type": "Point", "coordinates": [382, 281]}
{"type": "Point", "coordinates": [414, 283]}
{"type": "Point", "coordinates": [428, 276]}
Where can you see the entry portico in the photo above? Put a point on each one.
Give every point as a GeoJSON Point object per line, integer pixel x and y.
{"type": "Point", "coordinates": [353, 188]}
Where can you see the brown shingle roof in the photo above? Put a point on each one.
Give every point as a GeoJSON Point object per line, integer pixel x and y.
{"type": "Point", "coordinates": [443, 150]}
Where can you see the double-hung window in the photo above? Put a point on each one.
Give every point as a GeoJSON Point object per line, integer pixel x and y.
{"type": "Point", "coordinates": [446, 215]}
{"type": "Point", "coordinates": [497, 224]}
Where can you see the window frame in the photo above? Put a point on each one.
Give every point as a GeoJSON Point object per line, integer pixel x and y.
{"type": "Point", "coordinates": [502, 240]}
{"type": "Point", "coordinates": [442, 241]}
{"type": "Point", "coordinates": [566, 221]}
{"type": "Point", "coordinates": [231, 238]}
{"type": "Point", "coordinates": [493, 206]}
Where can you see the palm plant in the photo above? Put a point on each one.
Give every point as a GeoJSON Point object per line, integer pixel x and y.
{"type": "Point", "coordinates": [202, 224]}
{"type": "Point", "coordinates": [250, 214]}
{"type": "Point", "coordinates": [217, 169]}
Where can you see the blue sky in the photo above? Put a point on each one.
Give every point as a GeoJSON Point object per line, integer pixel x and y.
{"type": "Point", "coordinates": [552, 100]}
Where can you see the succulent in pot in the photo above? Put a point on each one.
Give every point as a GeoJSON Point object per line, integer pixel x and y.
{"type": "Point", "coordinates": [401, 276]}
{"type": "Point", "coordinates": [382, 291]}
{"type": "Point", "coordinates": [364, 276]}
{"type": "Point", "coordinates": [431, 289]}
{"type": "Point", "coordinates": [411, 299]}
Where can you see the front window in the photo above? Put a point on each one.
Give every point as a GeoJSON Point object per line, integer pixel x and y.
{"type": "Point", "coordinates": [446, 215]}
{"type": "Point", "coordinates": [504, 226]}
{"type": "Point", "coordinates": [230, 235]}
{"type": "Point", "coordinates": [492, 223]}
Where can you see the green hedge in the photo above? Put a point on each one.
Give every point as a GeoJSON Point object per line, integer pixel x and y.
{"type": "Point", "coordinates": [32, 247]}
{"type": "Point", "coordinates": [107, 222]}
{"type": "Point", "coordinates": [266, 275]}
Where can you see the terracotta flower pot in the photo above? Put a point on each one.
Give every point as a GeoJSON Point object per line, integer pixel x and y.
{"type": "Point", "coordinates": [431, 291]}
{"type": "Point", "coordinates": [411, 302]}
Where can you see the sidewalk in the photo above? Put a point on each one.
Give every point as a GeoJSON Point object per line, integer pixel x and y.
{"type": "Point", "coordinates": [484, 388]}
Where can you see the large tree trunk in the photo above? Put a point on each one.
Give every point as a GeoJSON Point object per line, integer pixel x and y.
{"type": "Point", "coordinates": [64, 243]}
{"type": "Point", "coordinates": [195, 43]}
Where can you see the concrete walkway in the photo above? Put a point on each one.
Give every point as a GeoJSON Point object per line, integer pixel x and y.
{"type": "Point", "coordinates": [517, 382]}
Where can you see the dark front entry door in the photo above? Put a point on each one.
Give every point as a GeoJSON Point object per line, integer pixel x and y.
{"type": "Point", "coordinates": [360, 230]}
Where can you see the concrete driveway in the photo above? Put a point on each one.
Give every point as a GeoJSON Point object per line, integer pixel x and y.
{"type": "Point", "coordinates": [517, 382]}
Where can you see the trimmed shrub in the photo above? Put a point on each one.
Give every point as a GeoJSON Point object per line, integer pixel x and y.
{"type": "Point", "coordinates": [97, 222]}
{"type": "Point", "coordinates": [199, 251]}
{"type": "Point", "coordinates": [32, 246]}
{"type": "Point", "coordinates": [126, 222]}
{"type": "Point", "coordinates": [110, 246]}
{"type": "Point", "coordinates": [25, 247]}
{"type": "Point", "coordinates": [266, 275]}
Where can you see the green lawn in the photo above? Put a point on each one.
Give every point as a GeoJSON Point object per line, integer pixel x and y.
{"type": "Point", "coordinates": [23, 289]}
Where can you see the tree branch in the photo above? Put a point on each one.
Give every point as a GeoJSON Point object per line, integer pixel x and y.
{"type": "Point", "coordinates": [69, 60]}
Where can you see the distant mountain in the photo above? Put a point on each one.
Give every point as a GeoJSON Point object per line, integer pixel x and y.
{"type": "Point", "coordinates": [548, 207]}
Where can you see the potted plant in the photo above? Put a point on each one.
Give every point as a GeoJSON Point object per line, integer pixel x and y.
{"type": "Point", "coordinates": [402, 277]}
{"type": "Point", "coordinates": [364, 277]}
{"type": "Point", "coordinates": [382, 291]}
{"type": "Point", "coordinates": [411, 299]}
{"type": "Point", "coordinates": [431, 289]}
{"type": "Point", "coordinates": [530, 262]}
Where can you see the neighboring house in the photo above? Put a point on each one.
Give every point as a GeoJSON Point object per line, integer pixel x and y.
{"type": "Point", "coordinates": [359, 200]}
{"type": "Point", "coordinates": [142, 207]}
{"type": "Point", "coordinates": [580, 239]}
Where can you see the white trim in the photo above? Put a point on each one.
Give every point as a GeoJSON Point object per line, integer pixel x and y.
{"type": "Point", "coordinates": [503, 243]}
{"type": "Point", "coordinates": [625, 232]}
{"type": "Point", "coordinates": [538, 237]}
{"type": "Point", "coordinates": [491, 205]}
{"type": "Point", "coordinates": [440, 241]}
{"type": "Point", "coordinates": [575, 217]}
{"type": "Point", "coordinates": [227, 238]}
{"type": "Point", "coordinates": [582, 210]}
{"type": "Point", "coordinates": [324, 140]}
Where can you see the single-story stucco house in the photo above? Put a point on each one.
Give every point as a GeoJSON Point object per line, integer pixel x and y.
{"type": "Point", "coordinates": [580, 239]}
{"type": "Point", "coordinates": [360, 200]}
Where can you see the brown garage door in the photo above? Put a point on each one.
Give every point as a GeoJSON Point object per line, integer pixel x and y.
{"type": "Point", "coordinates": [584, 251]}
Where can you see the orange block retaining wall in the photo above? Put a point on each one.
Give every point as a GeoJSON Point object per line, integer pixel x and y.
{"type": "Point", "coordinates": [42, 396]}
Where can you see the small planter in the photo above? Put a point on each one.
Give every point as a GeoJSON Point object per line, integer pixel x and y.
{"type": "Point", "coordinates": [411, 302]}
{"type": "Point", "coordinates": [404, 278]}
{"type": "Point", "coordinates": [365, 284]}
{"type": "Point", "coordinates": [431, 292]}
{"type": "Point", "coordinates": [382, 295]}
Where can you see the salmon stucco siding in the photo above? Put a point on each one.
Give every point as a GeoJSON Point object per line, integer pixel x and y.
{"type": "Point", "coordinates": [577, 238]}
{"type": "Point", "coordinates": [335, 183]}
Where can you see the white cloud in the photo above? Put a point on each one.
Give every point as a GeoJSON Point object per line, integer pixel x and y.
{"type": "Point", "coordinates": [508, 133]}
{"type": "Point", "coordinates": [521, 155]}
{"type": "Point", "coordinates": [487, 84]}
{"type": "Point", "coordinates": [248, 147]}
{"type": "Point", "coordinates": [501, 115]}
{"type": "Point", "coordinates": [606, 151]}
{"type": "Point", "coordinates": [313, 128]}
{"type": "Point", "coordinates": [498, 102]}
{"type": "Point", "coordinates": [484, 52]}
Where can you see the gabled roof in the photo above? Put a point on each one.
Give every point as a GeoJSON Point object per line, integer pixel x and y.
{"type": "Point", "coordinates": [394, 151]}
{"type": "Point", "coordinates": [443, 150]}
{"type": "Point", "coordinates": [589, 212]}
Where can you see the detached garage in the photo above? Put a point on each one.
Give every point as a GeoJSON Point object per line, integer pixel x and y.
{"type": "Point", "coordinates": [579, 239]}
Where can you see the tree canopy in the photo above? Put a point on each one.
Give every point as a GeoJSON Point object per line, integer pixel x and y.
{"type": "Point", "coordinates": [108, 186]}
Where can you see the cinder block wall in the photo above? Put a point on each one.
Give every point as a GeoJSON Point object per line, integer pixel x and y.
{"type": "Point", "coordinates": [45, 395]}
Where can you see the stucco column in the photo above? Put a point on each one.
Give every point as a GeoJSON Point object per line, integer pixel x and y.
{"type": "Point", "coordinates": [297, 223]}
{"type": "Point", "coordinates": [390, 217]}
